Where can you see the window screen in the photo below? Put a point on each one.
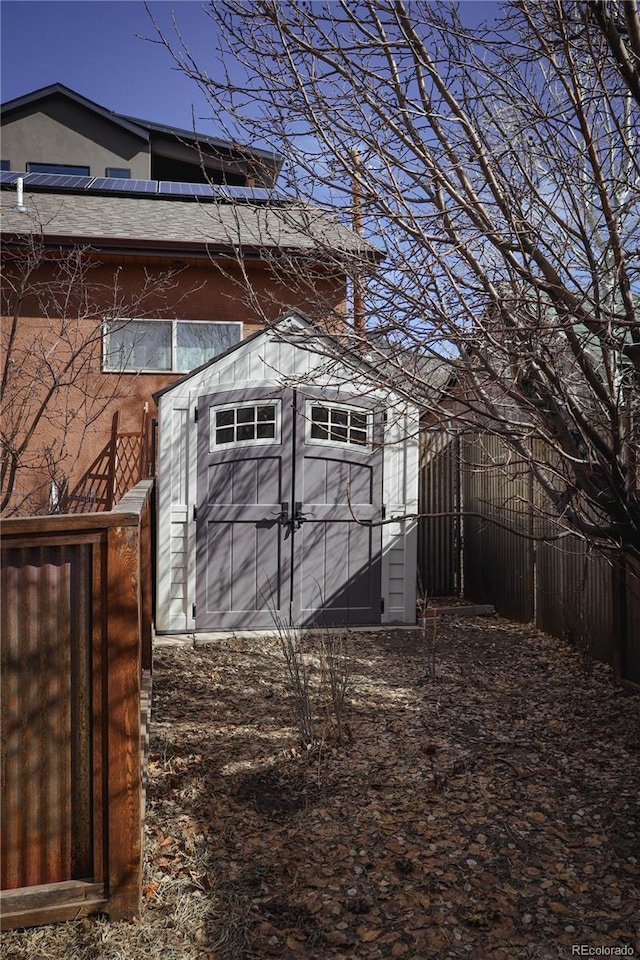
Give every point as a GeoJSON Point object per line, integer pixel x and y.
{"type": "Point", "coordinates": [172, 345]}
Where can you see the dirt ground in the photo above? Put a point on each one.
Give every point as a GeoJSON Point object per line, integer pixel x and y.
{"type": "Point", "coordinates": [491, 812]}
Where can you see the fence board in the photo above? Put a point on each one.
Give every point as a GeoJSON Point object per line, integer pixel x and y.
{"type": "Point", "coordinates": [628, 659]}
{"type": "Point", "coordinates": [124, 803]}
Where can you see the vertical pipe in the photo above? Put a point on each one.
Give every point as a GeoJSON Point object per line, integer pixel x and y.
{"type": "Point", "coordinates": [358, 278]}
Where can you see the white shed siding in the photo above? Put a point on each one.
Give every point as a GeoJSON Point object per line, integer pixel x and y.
{"type": "Point", "coordinates": [173, 511]}
{"type": "Point", "coordinates": [268, 361]}
{"type": "Point", "coordinates": [399, 538]}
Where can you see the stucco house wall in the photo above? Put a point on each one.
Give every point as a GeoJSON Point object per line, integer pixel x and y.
{"type": "Point", "coordinates": [63, 132]}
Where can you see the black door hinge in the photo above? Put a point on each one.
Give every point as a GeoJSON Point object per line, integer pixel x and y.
{"type": "Point", "coordinates": [381, 604]}
{"type": "Point", "coordinates": [195, 415]}
{"type": "Point", "coordinates": [384, 511]}
{"type": "Point", "coordinates": [195, 513]}
{"type": "Point", "coordinates": [193, 610]}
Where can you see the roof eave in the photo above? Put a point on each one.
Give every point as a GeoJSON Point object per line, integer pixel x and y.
{"type": "Point", "coordinates": [142, 246]}
{"type": "Point", "coordinates": [275, 159]}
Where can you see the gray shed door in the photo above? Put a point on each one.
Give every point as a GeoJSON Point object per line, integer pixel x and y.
{"type": "Point", "coordinates": [281, 478]}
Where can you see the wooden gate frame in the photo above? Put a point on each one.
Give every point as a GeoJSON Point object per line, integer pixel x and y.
{"type": "Point", "coordinates": [120, 634]}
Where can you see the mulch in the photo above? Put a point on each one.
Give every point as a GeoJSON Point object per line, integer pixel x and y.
{"type": "Point", "coordinates": [489, 812]}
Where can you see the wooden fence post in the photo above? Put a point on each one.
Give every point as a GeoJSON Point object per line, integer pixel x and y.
{"type": "Point", "coordinates": [123, 774]}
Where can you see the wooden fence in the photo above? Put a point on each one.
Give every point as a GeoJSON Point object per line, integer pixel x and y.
{"type": "Point", "coordinates": [76, 663]}
{"type": "Point", "coordinates": [478, 534]}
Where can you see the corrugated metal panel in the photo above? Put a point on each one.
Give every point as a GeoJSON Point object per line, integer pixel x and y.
{"type": "Point", "coordinates": [630, 659]}
{"type": "Point", "coordinates": [497, 548]}
{"type": "Point", "coordinates": [46, 705]}
{"type": "Point", "coordinates": [575, 595]}
{"type": "Point", "coordinates": [439, 526]}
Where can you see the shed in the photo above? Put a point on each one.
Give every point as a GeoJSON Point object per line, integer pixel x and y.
{"type": "Point", "coordinates": [282, 464]}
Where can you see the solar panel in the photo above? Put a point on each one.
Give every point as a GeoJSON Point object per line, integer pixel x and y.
{"type": "Point", "coordinates": [64, 180]}
{"type": "Point", "coordinates": [10, 176]}
{"type": "Point", "coordinates": [179, 189]}
{"type": "Point", "coordinates": [124, 185]}
{"type": "Point", "coordinates": [252, 194]}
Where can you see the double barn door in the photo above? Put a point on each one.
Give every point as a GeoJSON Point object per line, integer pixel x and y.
{"type": "Point", "coordinates": [289, 492]}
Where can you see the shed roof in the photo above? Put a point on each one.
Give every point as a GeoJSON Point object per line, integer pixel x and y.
{"type": "Point", "coordinates": [134, 222]}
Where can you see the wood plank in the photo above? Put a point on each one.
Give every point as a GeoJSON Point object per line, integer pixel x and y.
{"type": "Point", "coordinates": [123, 772]}
{"type": "Point", "coordinates": [54, 914]}
{"type": "Point", "coordinates": [49, 540]}
{"type": "Point", "coordinates": [65, 523]}
{"type": "Point", "coordinates": [98, 646]}
{"type": "Point", "coordinates": [47, 894]}
{"type": "Point", "coordinates": [145, 725]}
{"type": "Point", "coordinates": [111, 465]}
{"type": "Point", "coordinates": [146, 587]}
{"type": "Point", "coordinates": [51, 903]}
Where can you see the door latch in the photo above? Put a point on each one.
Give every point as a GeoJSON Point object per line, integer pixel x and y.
{"type": "Point", "coordinates": [282, 516]}
{"type": "Point", "coordinates": [298, 517]}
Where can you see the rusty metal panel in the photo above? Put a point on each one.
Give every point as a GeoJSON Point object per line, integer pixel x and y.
{"type": "Point", "coordinates": [46, 704]}
{"type": "Point", "coordinates": [439, 525]}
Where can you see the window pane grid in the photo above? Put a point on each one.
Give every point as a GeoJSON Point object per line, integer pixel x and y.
{"type": "Point", "coordinates": [339, 424]}
{"type": "Point", "coordinates": [245, 424]}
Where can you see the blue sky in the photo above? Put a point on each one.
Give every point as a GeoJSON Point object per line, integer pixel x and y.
{"type": "Point", "coordinates": [94, 47]}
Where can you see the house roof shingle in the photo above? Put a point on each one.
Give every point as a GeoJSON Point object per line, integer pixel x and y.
{"type": "Point", "coordinates": [139, 222]}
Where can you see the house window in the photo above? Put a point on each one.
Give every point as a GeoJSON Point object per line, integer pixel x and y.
{"type": "Point", "coordinates": [118, 173]}
{"type": "Point", "coordinates": [176, 346]}
{"type": "Point", "coordinates": [5, 165]}
{"type": "Point", "coordinates": [244, 423]}
{"type": "Point", "coordinates": [70, 168]}
{"type": "Point", "coordinates": [331, 423]}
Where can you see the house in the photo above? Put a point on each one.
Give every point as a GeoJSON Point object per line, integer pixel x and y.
{"type": "Point", "coordinates": [203, 287]}
{"type": "Point", "coordinates": [57, 131]}
{"type": "Point", "coordinates": [186, 249]}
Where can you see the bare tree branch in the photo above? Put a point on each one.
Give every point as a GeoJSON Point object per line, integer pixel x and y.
{"type": "Point", "coordinates": [498, 177]}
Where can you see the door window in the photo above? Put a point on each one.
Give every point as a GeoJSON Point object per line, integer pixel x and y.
{"type": "Point", "coordinates": [332, 423]}
{"type": "Point", "coordinates": [244, 423]}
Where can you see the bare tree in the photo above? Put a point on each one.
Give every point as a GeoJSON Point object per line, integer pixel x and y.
{"type": "Point", "coordinates": [54, 308]}
{"type": "Point", "coordinates": [496, 169]}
